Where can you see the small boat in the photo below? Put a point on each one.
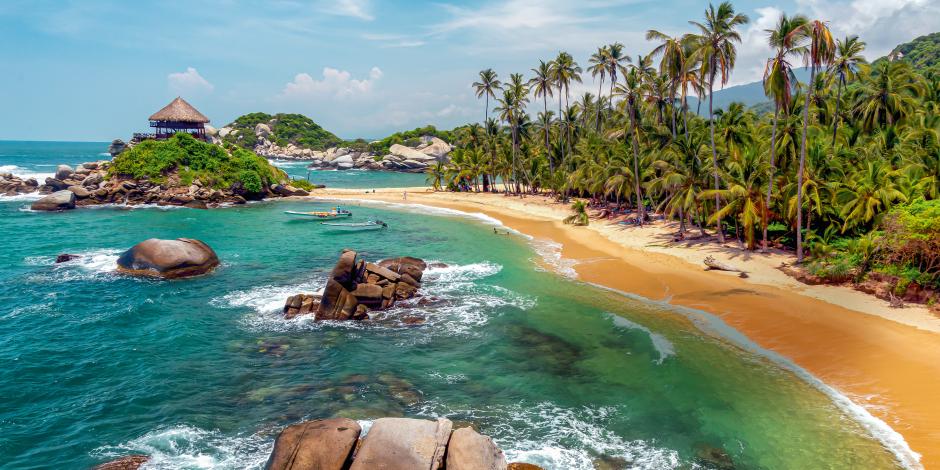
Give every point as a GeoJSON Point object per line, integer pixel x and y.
{"type": "Point", "coordinates": [335, 213]}
{"type": "Point", "coordinates": [355, 226]}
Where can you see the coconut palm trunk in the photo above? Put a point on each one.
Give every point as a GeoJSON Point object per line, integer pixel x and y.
{"type": "Point", "coordinates": [799, 176]}
{"type": "Point", "coordinates": [597, 117]}
{"type": "Point", "coordinates": [711, 125]}
{"type": "Point", "coordinates": [640, 209]}
{"type": "Point", "coordinates": [835, 117]}
{"type": "Point", "coordinates": [772, 171]}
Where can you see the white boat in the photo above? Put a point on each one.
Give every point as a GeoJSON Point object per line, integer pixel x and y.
{"type": "Point", "coordinates": [355, 226]}
{"type": "Point", "coordinates": [335, 213]}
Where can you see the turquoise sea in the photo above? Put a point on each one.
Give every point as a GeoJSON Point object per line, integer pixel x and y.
{"type": "Point", "coordinates": [202, 373]}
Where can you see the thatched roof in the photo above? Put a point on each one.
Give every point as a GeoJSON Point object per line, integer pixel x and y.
{"type": "Point", "coordinates": [180, 111]}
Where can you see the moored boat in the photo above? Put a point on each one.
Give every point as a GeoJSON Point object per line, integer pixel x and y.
{"type": "Point", "coordinates": [355, 226]}
{"type": "Point", "coordinates": [335, 213]}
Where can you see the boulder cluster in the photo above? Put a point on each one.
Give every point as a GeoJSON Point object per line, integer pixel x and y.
{"type": "Point", "coordinates": [399, 157]}
{"type": "Point", "coordinates": [391, 444]}
{"type": "Point", "coordinates": [89, 184]}
{"type": "Point", "coordinates": [356, 287]}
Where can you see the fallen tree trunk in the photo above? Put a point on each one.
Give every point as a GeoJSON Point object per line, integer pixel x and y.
{"type": "Point", "coordinates": [712, 264]}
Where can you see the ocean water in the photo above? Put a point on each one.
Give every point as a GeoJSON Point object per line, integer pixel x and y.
{"type": "Point", "coordinates": [202, 373]}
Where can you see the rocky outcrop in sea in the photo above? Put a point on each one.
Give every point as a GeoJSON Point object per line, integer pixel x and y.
{"type": "Point", "coordinates": [89, 184]}
{"type": "Point", "coordinates": [399, 157]}
{"type": "Point", "coordinates": [356, 287]}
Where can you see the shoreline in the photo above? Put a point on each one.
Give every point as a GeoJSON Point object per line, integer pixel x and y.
{"type": "Point", "coordinates": [885, 360]}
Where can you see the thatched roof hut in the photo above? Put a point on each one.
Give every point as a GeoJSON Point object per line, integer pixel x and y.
{"type": "Point", "coordinates": [179, 111]}
{"type": "Point", "coordinates": [178, 116]}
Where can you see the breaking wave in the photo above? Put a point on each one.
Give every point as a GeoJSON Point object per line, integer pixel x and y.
{"type": "Point", "coordinates": [194, 448]}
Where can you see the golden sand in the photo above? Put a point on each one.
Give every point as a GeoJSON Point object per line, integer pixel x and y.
{"type": "Point", "coordinates": [885, 359]}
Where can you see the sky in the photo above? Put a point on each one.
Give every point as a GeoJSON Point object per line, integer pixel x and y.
{"type": "Point", "coordinates": [94, 70]}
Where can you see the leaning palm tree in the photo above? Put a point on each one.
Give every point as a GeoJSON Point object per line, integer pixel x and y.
{"type": "Point", "coordinates": [845, 66]}
{"type": "Point", "coordinates": [821, 52]}
{"type": "Point", "coordinates": [787, 38]}
{"type": "Point", "coordinates": [597, 68]}
{"type": "Point", "coordinates": [717, 52]}
{"type": "Point", "coordinates": [541, 85]}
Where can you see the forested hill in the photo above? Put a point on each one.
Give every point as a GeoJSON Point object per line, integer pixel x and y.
{"type": "Point", "coordinates": [282, 129]}
{"type": "Point", "coordinates": [923, 53]}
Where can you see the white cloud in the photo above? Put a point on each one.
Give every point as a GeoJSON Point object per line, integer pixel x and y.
{"type": "Point", "coordinates": [188, 82]}
{"type": "Point", "coordinates": [754, 49]}
{"type": "Point", "coordinates": [882, 24]}
{"type": "Point", "coordinates": [352, 8]}
{"type": "Point", "coordinates": [334, 84]}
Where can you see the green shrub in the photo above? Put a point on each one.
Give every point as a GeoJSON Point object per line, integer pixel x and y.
{"type": "Point", "coordinates": [213, 165]}
{"type": "Point", "coordinates": [302, 184]}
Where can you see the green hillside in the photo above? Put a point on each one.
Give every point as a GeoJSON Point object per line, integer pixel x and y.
{"type": "Point", "coordinates": [286, 129]}
{"type": "Point", "coordinates": [923, 53]}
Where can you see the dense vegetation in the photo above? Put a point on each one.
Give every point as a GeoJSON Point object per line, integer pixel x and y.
{"type": "Point", "coordinates": [923, 53]}
{"type": "Point", "coordinates": [819, 172]}
{"type": "Point", "coordinates": [213, 165]}
{"type": "Point", "coordinates": [286, 129]}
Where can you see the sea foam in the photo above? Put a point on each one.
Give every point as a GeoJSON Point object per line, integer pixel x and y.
{"type": "Point", "coordinates": [186, 446]}
{"type": "Point", "coordinates": [663, 346]}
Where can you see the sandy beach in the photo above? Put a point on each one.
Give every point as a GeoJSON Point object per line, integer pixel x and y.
{"type": "Point", "coordinates": [883, 358]}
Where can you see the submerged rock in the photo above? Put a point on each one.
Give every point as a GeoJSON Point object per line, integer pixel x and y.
{"type": "Point", "coordinates": [168, 259]}
{"type": "Point", "coordinates": [66, 257]}
{"type": "Point", "coordinates": [130, 462]}
{"type": "Point", "coordinates": [523, 466]}
{"type": "Point", "coordinates": [325, 444]}
{"type": "Point", "coordinates": [57, 201]}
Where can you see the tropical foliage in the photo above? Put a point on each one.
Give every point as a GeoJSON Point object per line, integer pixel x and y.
{"type": "Point", "coordinates": [192, 159]}
{"type": "Point", "coordinates": [828, 162]}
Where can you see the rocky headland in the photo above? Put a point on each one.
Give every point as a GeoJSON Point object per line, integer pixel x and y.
{"type": "Point", "coordinates": [202, 175]}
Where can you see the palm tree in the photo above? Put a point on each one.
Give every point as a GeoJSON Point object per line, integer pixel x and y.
{"type": "Point", "coordinates": [598, 66]}
{"type": "Point", "coordinates": [487, 87]}
{"type": "Point", "coordinates": [565, 70]}
{"type": "Point", "coordinates": [615, 61]}
{"type": "Point", "coordinates": [630, 89]}
{"type": "Point", "coordinates": [821, 51]}
{"type": "Point", "coordinates": [847, 61]}
{"type": "Point", "coordinates": [671, 65]}
{"type": "Point", "coordinates": [717, 52]}
{"type": "Point", "coordinates": [541, 85]}
{"type": "Point", "coordinates": [580, 216]}
{"type": "Point", "coordinates": [787, 38]}
{"type": "Point", "coordinates": [436, 174]}
{"type": "Point", "coordinates": [887, 95]}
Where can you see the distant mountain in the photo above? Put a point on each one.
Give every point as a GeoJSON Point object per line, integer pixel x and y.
{"type": "Point", "coordinates": [923, 53]}
{"type": "Point", "coordinates": [751, 94]}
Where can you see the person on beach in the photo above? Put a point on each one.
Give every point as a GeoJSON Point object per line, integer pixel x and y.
{"type": "Point", "coordinates": [404, 195]}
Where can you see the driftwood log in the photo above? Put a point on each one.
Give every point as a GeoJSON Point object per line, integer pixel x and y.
{"type": "Point", "coordinates": [712, 264]}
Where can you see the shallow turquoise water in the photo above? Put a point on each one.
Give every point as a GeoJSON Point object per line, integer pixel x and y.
{"type": "Point", "coordinates": [202, 373]}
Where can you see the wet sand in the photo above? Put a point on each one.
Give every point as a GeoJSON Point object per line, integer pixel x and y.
{"type": "Point", "coordinates": [887, 360]}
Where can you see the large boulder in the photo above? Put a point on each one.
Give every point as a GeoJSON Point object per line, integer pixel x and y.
{"type": "Point", "coordinates": [117, 146]}
{"type": "Point", "coordinates": [63, 172]}
{"type": "Point", "coordinates": [470, 450]}
{"type": "Point", "coordinates": [408, 153]}
{"type": "Point", "coordinates": [57, 201]}
{"type": "Point", "coordinates": [168, 259]}
{"type": "Point", "coordinates": [437, 148]}
{"type": "Point", "coordinates": [404, 444]}
{"type": "Point", "coordinates": [262, 130]}
{"type": "Point", "coordinates": [325, 444]}
{"type": "Point", "coordinates": [414, 267]}
{"type": "Point", "coordinates": [130, 462]}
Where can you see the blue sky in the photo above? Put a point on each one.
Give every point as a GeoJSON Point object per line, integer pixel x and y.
{"type": "Point", "coordinates": [95, 69]}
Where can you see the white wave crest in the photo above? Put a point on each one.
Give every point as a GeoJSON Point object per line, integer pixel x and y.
{"type": "Point", "coordinates": [663, 346]}
{"type": "Point", "coordinates": [550, 251]}
{"type": "Point", "coordinates": [194, 448]}
{"type": "Point", "coordinates": [558, 438]}
{"type": "Point", "coordinates": [92, 264]}
{"type": "Point", "coordinates": [26, 173]}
